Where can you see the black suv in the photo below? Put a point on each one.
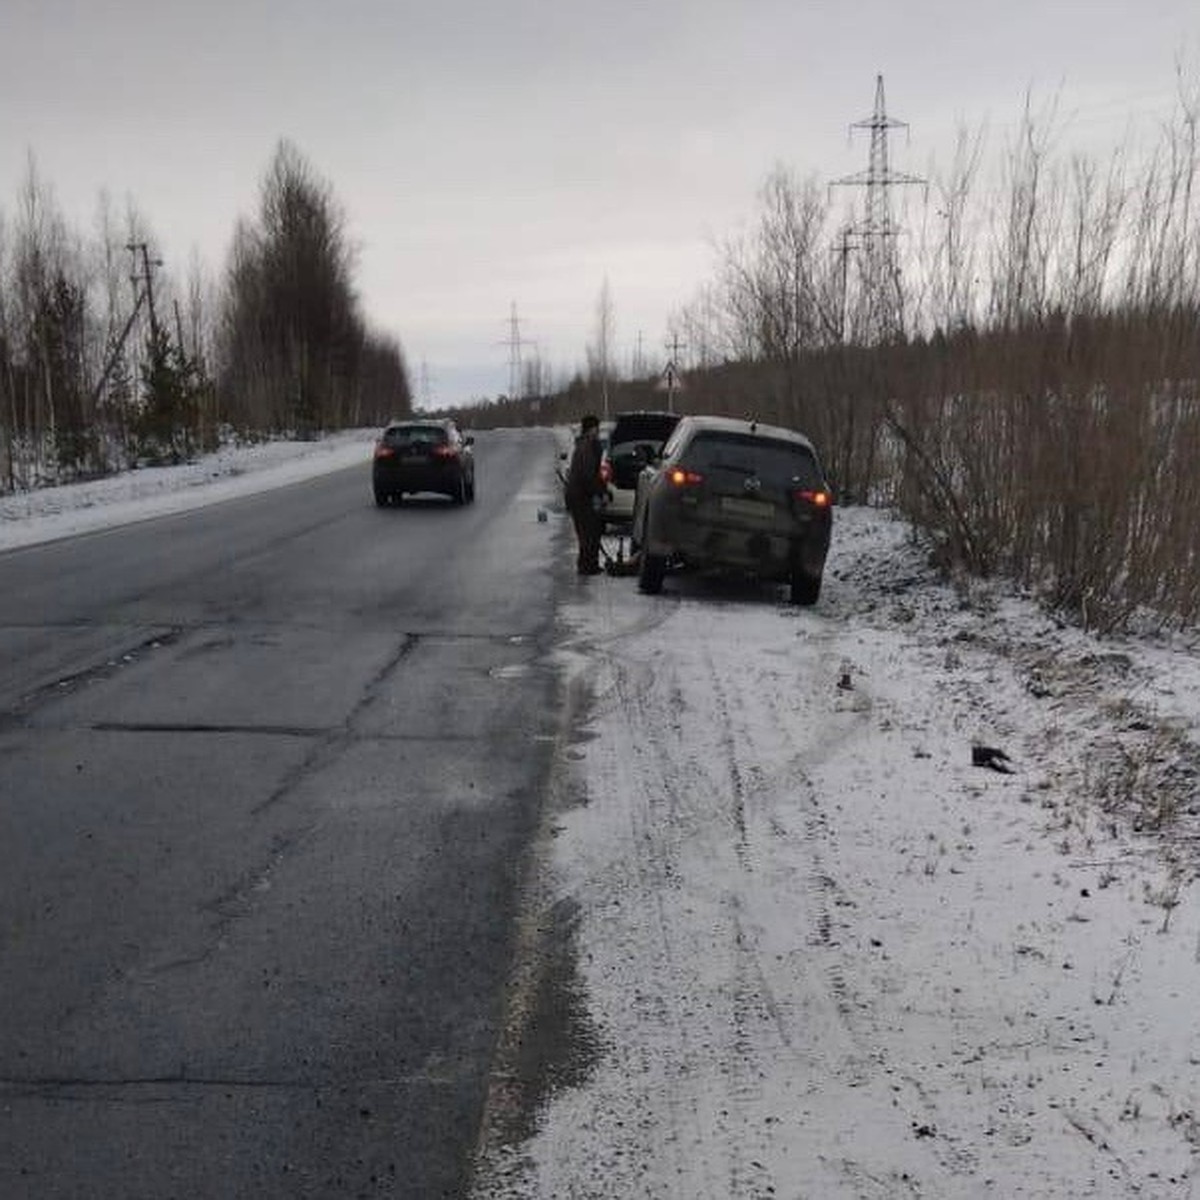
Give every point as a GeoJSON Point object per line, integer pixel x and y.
{"type": "Point", "coordinates": [635, 440]}
{"type": "Point", "coordinates": [423, 456]}
{"type": "Point", "coordinates": [732, 495]}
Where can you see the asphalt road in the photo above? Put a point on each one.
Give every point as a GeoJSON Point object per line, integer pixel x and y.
{"type": "Point", "coordinates": [268, 772]}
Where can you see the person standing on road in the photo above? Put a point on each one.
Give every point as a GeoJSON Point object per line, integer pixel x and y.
{"type": "Point", "coordinates": [585, 492]}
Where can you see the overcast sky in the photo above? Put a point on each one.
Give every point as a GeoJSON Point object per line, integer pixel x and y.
{"type": "Point", "coordinates": [492, 152]}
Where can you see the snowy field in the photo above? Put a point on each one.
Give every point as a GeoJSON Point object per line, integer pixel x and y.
{"type": "Point", "coordinates": [821, 953]}
{"type": "Point", "coordinates": [825, 955]}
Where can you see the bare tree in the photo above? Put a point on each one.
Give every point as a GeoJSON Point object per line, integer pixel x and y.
{"type": "Point", "coordinates": [292, 337]}
{"type": "Point", "coordinates": [600, 352]}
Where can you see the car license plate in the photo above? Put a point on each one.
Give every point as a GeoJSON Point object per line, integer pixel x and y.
{"type": "Point", "coordinates": [755, 510]}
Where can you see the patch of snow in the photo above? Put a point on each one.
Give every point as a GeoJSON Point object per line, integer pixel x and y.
{"type": "Point", "coordinates": [46, 514]}
{"type": "Point", "coordinates": [825, 955]}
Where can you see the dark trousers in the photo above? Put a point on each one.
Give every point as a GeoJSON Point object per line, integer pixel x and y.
{"type": "Point", "coordinates": [589, 525]}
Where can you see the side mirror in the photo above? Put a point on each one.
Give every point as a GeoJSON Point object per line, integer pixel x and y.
{"type": "Point", "coordinates": [469, 440]}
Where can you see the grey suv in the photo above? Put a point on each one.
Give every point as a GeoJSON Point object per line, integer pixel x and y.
{"type": "Point", "coordinates": [733, 495]}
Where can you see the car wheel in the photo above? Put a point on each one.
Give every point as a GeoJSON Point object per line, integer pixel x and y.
{"type": "Point", "coordinates": [471, 491]}
{"type": "Point", "coordinates": [651, 570]}
{"type": "Point", "coordinates": [460, 491]}
{"type": "Point", "coordinates": [381, 497]}
{"type": "Point", "coordinates": [805, 589]}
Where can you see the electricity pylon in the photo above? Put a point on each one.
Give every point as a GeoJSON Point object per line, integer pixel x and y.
{"type": "Point", "coordinates": [514, 343]}
{"type": "Point", "coordinates": [880, 272]}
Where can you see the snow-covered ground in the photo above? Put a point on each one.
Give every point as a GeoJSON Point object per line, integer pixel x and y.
{"type": "Point", "coordinates": [821, 953]}
{"type": "Point", "coordinates": [45, 514]}
{"type": "Point", "coordinates": [825, 955]}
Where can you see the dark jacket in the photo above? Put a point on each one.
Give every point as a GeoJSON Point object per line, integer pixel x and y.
{"type": "Point", "coordinates": [583, 475]}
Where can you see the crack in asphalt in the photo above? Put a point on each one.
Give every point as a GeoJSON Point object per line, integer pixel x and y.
{"type": "Point", "coordinates": [300, 731]}
{"type": "Point", "coordinates": [65, 685]}
{"type": "Point", "coordinates": [338, 732]}
{"type": "Point", "coordinates": [336, 739]}
{"type": "Point", "coordinates": [25, 1085]}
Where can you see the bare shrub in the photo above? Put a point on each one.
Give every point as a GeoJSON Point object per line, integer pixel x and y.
{"type": "Point", "coordinates": [1052, 439]}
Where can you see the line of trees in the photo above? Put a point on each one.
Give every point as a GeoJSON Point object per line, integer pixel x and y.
{"type": "Point", "coordinates": [97, 376]}
{"type": "Point", "coordinates": [1034, 408]}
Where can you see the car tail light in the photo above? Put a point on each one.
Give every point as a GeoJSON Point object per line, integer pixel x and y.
{"type": "Point", "coordinates": [606, 471]}
{"type": "Point", "coordinates": [682, 478]}
{"type": "Point", "coordinates": [382, 451]}
{"type": "Point", "coordinates": [445, 452]}
{"type": "Point", "coordinates": [817, 497]}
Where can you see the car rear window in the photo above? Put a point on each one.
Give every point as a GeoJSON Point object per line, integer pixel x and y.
{"type": "Point", "coordinates": [653, 428]}
{"type": "Point", "coordinates": [415, 435]}
{"type": "Point", "coordinates": [774, 462]}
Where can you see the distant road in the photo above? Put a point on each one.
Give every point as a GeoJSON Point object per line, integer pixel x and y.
{"type": "Point", "coordinates": [267, 773]}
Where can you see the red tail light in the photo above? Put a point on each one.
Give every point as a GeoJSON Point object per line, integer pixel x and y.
{"type": "Point", "coordinates": [682, 478]}
{"type": "Point", "coordinates": [382, 451]}
{"type": "Point", "coordinates": [445, 452]}
{"type": "Point", "coordinates": [606, 471]}
{"type": "Point", "coordinates": [817, 497]}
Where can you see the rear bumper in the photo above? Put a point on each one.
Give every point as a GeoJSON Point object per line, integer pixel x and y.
{"type": "Point", "coordinates": [772, 555]}
{"type": "Point", "coordinates": [390, 477]}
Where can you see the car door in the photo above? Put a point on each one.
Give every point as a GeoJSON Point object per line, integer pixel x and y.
{"type": "Point", "coordinates": [648, 480]}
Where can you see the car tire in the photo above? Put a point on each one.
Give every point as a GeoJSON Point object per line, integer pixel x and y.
{"type": "Point", "coordinates": [459, 495]}
{"type": "Point", "coordinates": [634, 541]}
{"type": "Point", "coordinates": [471, 491]}
{"type": "Point", "coordinates": [804, 589]}
{"type": "Point", "coordinates": [651, 570]}
{"type": "Point", "coordinates": [381, 498]}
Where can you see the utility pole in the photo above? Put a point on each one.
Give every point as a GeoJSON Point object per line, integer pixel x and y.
{"type": "Point", "coordinates": [880, 271]}
{"type": "Point", "coordinates": [115, 352]}
{"type": "Point", "coordinates": [179, 330]}
{"type": "Point", "coordinates": [842, 248]}
{"type": "Point", "coordinates": [140, 295]}
{"type": "Point", "coordinates": [672, 369]}
{"type": "Point", "coordinates": [146, 277]}
{"type": "Point", "coordinates": [424, 387]}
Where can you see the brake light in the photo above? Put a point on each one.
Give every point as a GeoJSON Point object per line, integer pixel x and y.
{"type": "Point", "coordinates": [681, 478]}
{"type": "Point", "coordinates": [817, 497]}
{"type": "Point", "coordinates": [445, 452]}
{"type": "Point", "coordinates": [382, 451]}
{"type": "Point", "coordinates": [606, 471]}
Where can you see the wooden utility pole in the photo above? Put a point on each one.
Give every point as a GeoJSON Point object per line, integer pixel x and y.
{"type": "Point", "coordinates": [98, 390]}
{"type": "Point", "coordinates": [146, 277]}
{"type": "Point", "coordinates": [843, 248]}
{"type": "Point", "coordinates": [672, 370]}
